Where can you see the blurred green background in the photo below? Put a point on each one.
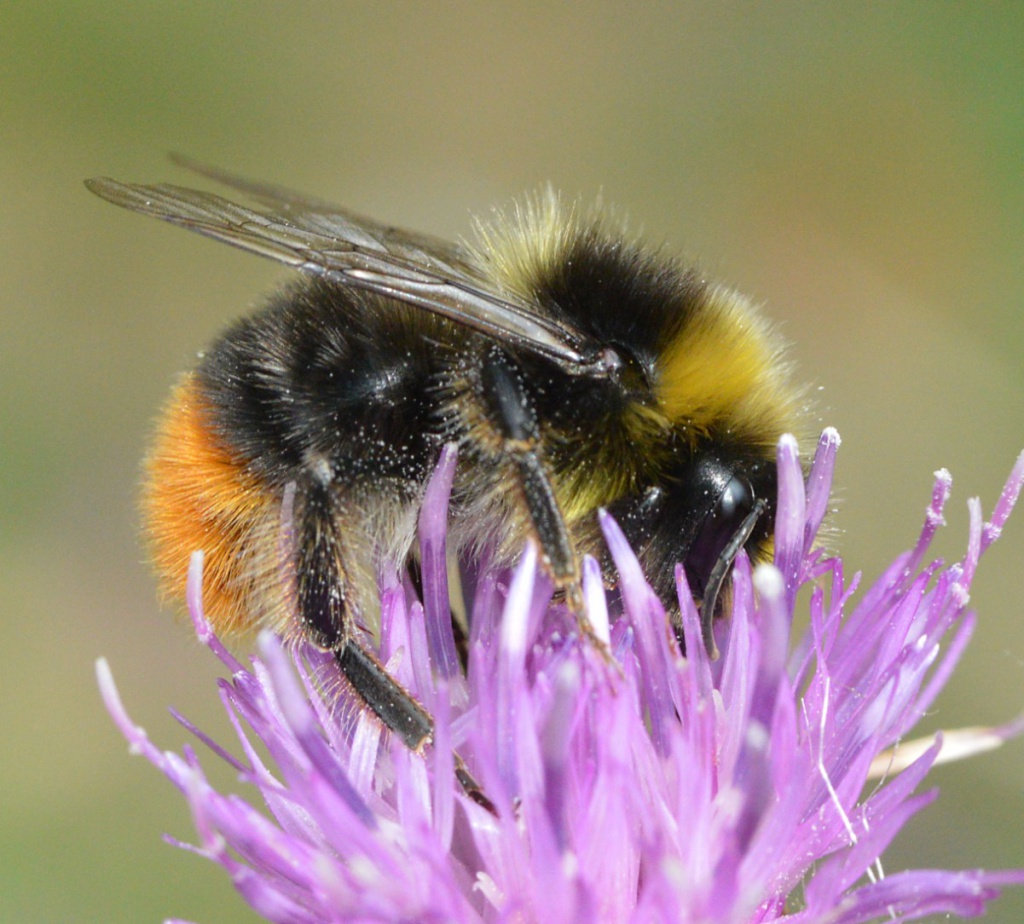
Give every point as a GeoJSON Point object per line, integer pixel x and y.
{"type": "Point", "coordinates": [856, 168]}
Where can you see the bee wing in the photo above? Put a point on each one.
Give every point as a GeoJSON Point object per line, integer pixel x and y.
{"type": "Point", "coordinates": [318, 215]}
{"type": "Point", "coordinates": [352, 251]}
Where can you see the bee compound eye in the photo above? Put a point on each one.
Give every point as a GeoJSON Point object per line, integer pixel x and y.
{"type": "Point", "coordinates": [722, 522]}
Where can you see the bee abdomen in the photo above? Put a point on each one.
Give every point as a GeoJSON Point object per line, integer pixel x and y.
{"type": "Point", "coordinates": [198, 496]}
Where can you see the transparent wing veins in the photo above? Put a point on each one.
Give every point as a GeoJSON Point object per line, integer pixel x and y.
{"type": "Point", "coordinates": [322, 240]}
{"type": "Point", "coordinates": [325, 217]}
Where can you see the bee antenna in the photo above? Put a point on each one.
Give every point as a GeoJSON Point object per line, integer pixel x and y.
{"type": "Point", "coordinates": [721, 570]}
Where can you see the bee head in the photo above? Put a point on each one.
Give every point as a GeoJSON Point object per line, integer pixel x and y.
{"type": "Point", "coordinates": [718, 501]}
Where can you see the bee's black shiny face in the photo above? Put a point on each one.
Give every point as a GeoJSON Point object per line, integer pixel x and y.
{"type": "Point", "coordinates": [696, 518]}
{"type": "Point", "coordinates": [721, 523]}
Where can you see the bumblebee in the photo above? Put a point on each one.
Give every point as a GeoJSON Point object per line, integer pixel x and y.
{"type": "Point", "coordinates": [574, 369]}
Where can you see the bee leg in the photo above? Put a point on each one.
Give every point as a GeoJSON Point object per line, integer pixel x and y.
{"type": "Point", "coordinates": [511, 412]}
{"type": "Point", "coordinates": [323, 611]}
{"type": "Point", "coordinates": [398, 710]}
{"type": "Point", "coordinates": [323, 608]}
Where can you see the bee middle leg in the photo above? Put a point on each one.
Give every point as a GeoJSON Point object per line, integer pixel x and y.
{"type": "Point", "coordinates": [323, 605]}
{"type": "Point", "coordinates": [511, 413]}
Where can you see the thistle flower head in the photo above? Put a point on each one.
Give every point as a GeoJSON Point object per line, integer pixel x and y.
{"type": "Point", "coordinates": [646, 787]}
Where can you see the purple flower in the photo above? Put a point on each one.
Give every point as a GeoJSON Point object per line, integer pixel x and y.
{"type": "Point", "coordinates": [644, 788]}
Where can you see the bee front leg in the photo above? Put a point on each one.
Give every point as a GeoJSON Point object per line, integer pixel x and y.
{"type": "Point", "coordinates": [322, 597]}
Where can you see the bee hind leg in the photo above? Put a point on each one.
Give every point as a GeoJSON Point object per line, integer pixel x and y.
{"type": "Point", "coordinates": [321, 591]}
{"type": "Point", "coordinates": [398, 710]}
